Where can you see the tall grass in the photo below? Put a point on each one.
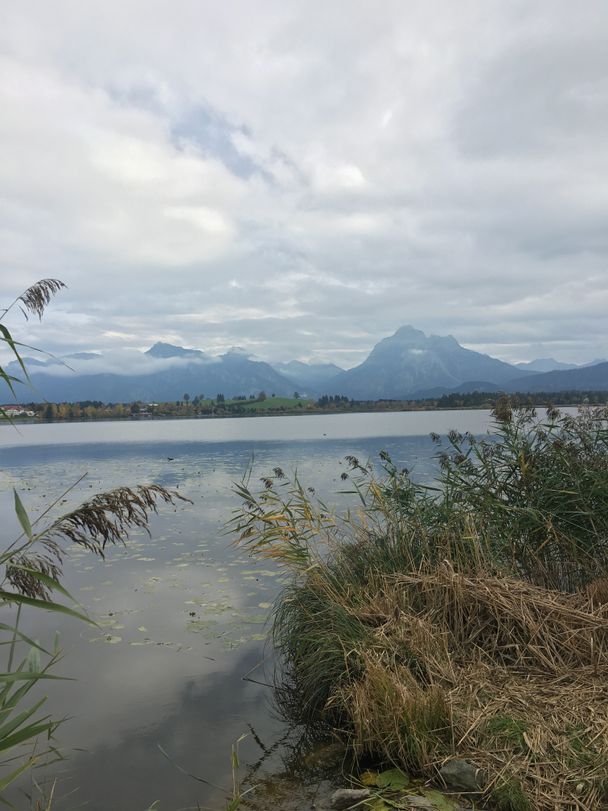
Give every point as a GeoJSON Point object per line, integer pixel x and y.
{"type": "Point", "coordinates": [463, 619]}
{"type": "Point", "coordinates": [538, 492]}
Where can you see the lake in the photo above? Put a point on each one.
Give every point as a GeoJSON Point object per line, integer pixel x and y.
{"type": "Point", "coordinates": [179, 667]}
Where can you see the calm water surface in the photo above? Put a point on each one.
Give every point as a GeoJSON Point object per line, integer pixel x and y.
{"type": "Point", "coordinates": [176, 664]}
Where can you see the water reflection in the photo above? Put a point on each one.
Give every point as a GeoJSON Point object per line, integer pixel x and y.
{"type": "Point", "coordinates": [253, 429]}
{"type": "Point", "coordinates": [131, 772]}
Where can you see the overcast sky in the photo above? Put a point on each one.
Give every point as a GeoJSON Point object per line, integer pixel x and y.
{"type": "Point", "coordinates": [302, 178]}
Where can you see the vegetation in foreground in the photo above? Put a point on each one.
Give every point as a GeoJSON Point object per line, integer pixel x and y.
{"type": "Point", "coordinates": [468, 620]}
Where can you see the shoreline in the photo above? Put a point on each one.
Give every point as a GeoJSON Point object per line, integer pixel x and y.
{"type": "Point", "coordinates": [277, 413]}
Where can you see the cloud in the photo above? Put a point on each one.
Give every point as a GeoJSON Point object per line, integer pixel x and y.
{"type": "Point", "coordinates": [120, 362]}
{"type": "Point", "coordinates": [304, 180]}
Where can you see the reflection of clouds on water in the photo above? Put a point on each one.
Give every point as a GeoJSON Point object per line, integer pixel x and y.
{"type": "Point", "coordinates": [209, 713]}
{"type": "Point", "coordinates": [200, 602]}
{"type": "Point", "coordinates": [194, 606]}
{"type": "Point", "coordinates": [249, 430]}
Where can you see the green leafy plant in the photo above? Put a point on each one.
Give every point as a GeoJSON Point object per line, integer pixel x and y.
{"type": "Point", "coordinates": [536, 491]}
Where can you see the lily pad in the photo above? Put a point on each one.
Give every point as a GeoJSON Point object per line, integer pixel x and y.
{"type": "Point", "coordinates": [254, 619]}
{"type": "Point", "coordinates": [200, 625]}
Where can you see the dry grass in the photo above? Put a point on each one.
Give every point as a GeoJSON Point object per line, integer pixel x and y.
{"type": "Point", "coordinates": [469, 619]}
{"type": "Point", "coordinates": [508, 675]}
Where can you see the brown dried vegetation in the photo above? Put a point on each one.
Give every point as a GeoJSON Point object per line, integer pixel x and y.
{"type": "Point", "coordinates": [468, 620]}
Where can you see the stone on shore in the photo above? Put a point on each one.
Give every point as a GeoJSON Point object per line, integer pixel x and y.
{"type": "Point", "coordinates": [347, 797]}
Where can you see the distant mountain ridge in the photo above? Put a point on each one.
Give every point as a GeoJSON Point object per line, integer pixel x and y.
{"type": "Point", "coordinates": [163, 350]}
{"type": "Point", "coordinates": [156, 378]}
{"type": "Point", "coordinates": [308, 376]}
{"type": "Point", "coordinates": [552, 365]}
{"type": "Point", "coordinates": [410, 361]}
{"type": "Point", "coordinates": [545, 365]}
{"type": "Point", "coordinates": [405, 365]}
{"type": "Point", "coordinates": [585, 378]}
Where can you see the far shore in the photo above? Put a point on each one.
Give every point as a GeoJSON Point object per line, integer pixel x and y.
{"type": "Point", "coordinates": [367, 408]}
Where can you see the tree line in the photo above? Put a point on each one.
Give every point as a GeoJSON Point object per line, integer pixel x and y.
{"type": "Point", "coordinates": [219, 405]}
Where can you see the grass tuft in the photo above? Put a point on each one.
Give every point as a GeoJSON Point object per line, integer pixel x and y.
{"type": "Point", "coordinates": [510, 796]}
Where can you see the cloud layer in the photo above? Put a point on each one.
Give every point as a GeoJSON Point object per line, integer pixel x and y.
{"type": "Point", "coordinates": [302, 178]}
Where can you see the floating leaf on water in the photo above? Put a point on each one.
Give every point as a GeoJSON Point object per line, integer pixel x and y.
{"type": "Point", "coordinates": [264, 605]}
{"type": "Point", "coordinates": [257, 637]}
{"type": "Point", "coordinates": [254, 619]}
{"type": "Point", "coordinates": [231, 644]}
{"type": "Point", "coordinates": [392, 778]}
{"type": "Point", "coordinates": [112, 640]}
{"type": "Point", "coordinates": [217, 608]}
{"type": "Point", "coordinates": [142, 628]}
{"type": "Point", "coordinates": [200, 625]}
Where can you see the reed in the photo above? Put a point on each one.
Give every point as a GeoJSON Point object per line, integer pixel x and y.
{"type": "Point", "coordinates": [464, 619]}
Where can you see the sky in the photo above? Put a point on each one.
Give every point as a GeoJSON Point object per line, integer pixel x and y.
{"type": "Point", "coordinates": [300, 178]}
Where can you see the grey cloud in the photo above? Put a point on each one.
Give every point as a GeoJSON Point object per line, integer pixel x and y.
{"type": "Point", "coordinates": [120, 362]}
{"type": "Point", "coordinates": [303, 180]}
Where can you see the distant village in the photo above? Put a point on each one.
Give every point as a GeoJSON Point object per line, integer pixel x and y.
{"type": "Point", "coordinates": [17, 411]}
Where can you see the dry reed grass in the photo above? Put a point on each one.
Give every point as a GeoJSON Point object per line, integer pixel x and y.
{"type": "Point", "coordinates": [468, 618]}
{"type": "Point", "coordinates": [506, 674]}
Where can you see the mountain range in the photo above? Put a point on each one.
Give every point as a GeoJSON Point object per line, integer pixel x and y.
{"type": "Point", "coordinates": [406, 365]}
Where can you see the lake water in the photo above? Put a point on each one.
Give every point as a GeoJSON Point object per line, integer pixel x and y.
{"type": "Point", "coordinates": [172, 678]}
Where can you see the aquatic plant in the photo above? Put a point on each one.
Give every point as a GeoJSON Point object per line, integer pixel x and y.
{"type": "Point", "coordinates": [537, 490]}
{"type": "Point", "coordinates": [467, 618]}
{"type": "Point", "coordinates": [30, 575]}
